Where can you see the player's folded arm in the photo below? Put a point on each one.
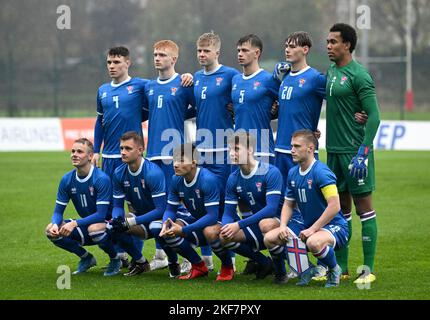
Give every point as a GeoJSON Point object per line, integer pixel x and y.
{"type": "Point", "coordinates": [209, 219]}
{"type": "Point", "coordinates": [155, 214]}
{"type": "Point", "coordinates": [98, 217]}
{"type": "Point", "coordinates": [268, 211]}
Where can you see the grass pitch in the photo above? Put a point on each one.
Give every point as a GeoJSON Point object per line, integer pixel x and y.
{"type": "Point", "coordinates": [29, 268]}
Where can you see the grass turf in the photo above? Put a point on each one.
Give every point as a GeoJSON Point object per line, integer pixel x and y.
{"type": "Point", "coordinates": [29, 270]}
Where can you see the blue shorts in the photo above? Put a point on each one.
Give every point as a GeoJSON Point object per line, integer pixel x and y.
{"type": "Point", "coordinates": [196, 237]}
{"type": "Point", "coordinates": [110, 164]}
{"type": "Point", "coordinates": [80, 234]}
{"type": "Point", "coordinates": [254, 237]}
{"type": "Point", "coordinates": [339, 232]}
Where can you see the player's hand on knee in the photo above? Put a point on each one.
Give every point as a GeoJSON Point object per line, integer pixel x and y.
{"type": "Point", "coordinates": [284, 234]}
{"type": "Point", "coordinates": [358, 165]}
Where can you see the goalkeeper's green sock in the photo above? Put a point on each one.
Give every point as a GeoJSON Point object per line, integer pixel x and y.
{"type": "Point", "coordinates": [369, 233]}
{"type": "Point", "coordinates": [343, 253]}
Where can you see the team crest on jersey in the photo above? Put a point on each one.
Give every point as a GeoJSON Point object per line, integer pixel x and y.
{"type": "Point", "coordinates": [91, 190]}
{"type": "Point", "coordinates": [143, 183]}
{"type": "Point", "coordinates": [104, 95]}
{"type": "Point", "coordinates": [173, 91]}
{"type": "Point", "coordinates": [130, 89]}
{"type": "Point", "coordinates": [197, 191]}
{"type": "Point", "coordinates": [151, 92]}
{"type": "Point", "coordinates": [343, 79]}
{"type": "Point", "coordinates": [126, 184]}
{"type": "Point", "coordinates": [197, 83]}
{"type": "Point", "coordinates": [258, 185]}
{"type": "Point", "coordinates": [293, 183]}
{"type": "Point", "coordinates": [73, 190]}
{"type": "Point", "coordinates": [301, 82]}
{"type": "Point", "coordinates": [256, 84]}
{"type": "Point", "coordinates": [218, 81]}
{"type": "Point", "coordinates": [234, 87]}
{"type": "Point", "coordinates": [309, 183]}
{"type": "Point", "coordinates": [239, 189]}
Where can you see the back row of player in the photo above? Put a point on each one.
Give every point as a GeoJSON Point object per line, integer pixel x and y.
{"type": "Point", "coordinates": [300, 96]}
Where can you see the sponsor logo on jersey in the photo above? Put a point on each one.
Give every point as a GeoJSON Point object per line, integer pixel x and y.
{"type": "Point", "coordinates": [343, 79]}
{"type": "Point", "coordinates": [218, 81]}
{"type": "Point", "coordinates": [309, 183]}
{"type": "Point", "coordinates": [151, 92]}
{"type": "Point", "coordinates": [256, 84]}
{"type": "Point", "coordinates": [173, 91]}
{"type": "Point", "coordinates": [73, 190]}
{"type": "Point", "coordinates": [293, 183]}
{"type": "Point", "coordinates": [130, 89]}
{"type": "Point", "coordinates": [239, 189]}
{"type": "Point", "coordinates": [258, 185]}
{"type": "Point", "coordinates": [197, 83]}
{"type": "Point", "coordinates": [126, 184]}
{"type": "Point", "coordinates": [91, 190]}
{"type": "Point", "coordinates": [197, 191]}
{"type": "Point", "coordinates": [234, 87]}
{"type": "Point", "coordinates": [104, 95]}
{"type": "Point", "coordinates": [143, 183]}
{"type": "Point", "coordinates": [181, 194]}
{"type": "Point", "coordinates": [301, 83]}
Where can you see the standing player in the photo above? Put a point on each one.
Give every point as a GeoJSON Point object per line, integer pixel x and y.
{"type": "Point", "coordinates": [90, 191]}
{"type": "Point", "coordinates": [350, 89]}
{"type": "Point", "coordinates": [142, 184]}
{"type": "Point", "coordinates": [212, 92]}
{"type": "Point", "coordinates": [253, 94]}
{"type": "Point", "coordinates": [199, 190]}
{"type": "Point", "coordinates": [169, 105]}
{"type": "Point", "coordinates": [312, 186]}
{"type": "Point", "coordinates": [259, 185]}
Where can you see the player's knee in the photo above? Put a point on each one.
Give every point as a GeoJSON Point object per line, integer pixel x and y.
{"type": "Point", "coordinates": [268, 224]}
{"type": "Point", "coordinates": [155, 228]}
{"type": "Point", "coordinates": [96, 227]}
{"type": "Point", "coordinates": [314, 244]}
{"type": "Point", "coordinates": [270, 238]}
{"type": "Point", "coordinates": [211, 233]}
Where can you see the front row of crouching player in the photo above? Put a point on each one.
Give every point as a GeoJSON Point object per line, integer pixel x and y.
{"type": "Point", "coordinates": [212, 219]}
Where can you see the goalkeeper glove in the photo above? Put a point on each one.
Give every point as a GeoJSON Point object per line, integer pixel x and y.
{"type": "Point", "coordinates": [281, 70]}
{"type": "Point", "coordinates": [119, 224]}
{"type": "Point", "coordinates": [358, 166]}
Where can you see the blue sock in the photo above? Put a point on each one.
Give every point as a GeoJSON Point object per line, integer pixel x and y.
{"type": "Point", "coordinates": [184, 248]}
{"type": "Point", "coordinates": [245, 250]}
{"type": "Point", "coordinates": [278, 256]}
{"type": "Point", "coordinates": [138, 243]}
{"type": "Point", "coordinates": [126, 241]}
{"type": "Point", "coordinates": [222, 253]}
{"type": "Point", "coordinates": [118, 248]}
{"type": "Point", "coordinates": [206, 251]}
{"type": "Point", "coordinates": [327, 257]}
{"type": "Point", "coordinates": [69, 245]}
{"type": "Point", "coordinates": [160, 243]}
{"type": "Point", "coordinates": [104, 242]}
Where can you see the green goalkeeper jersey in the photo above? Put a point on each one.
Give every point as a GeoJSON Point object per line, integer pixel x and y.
{"type": "Point", "coordinates": [350, 89]}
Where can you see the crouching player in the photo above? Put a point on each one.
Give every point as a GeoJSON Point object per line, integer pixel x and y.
{"type": "Point", "coordinates": [199, 190]}
{"type": "Point", "coordinates": [90, 190]}
{"type": "Point", "coordinates": [259, 186]}
{"type": "Point", "coordinates": [142, 184]}
{"type": "Point", "coordinates": [312, 186]}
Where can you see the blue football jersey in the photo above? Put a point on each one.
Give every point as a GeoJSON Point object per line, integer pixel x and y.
{"type": "Point", "coordinates": [264, 180]}
{"type": "Point", "coordinates": [202, 192]}
{"type": "Point", "coordinates": [140, 187]}
{"type": "Point", "coordinates": [300, 98]}
{"type": "Point", "coordinates": [212, 92]}
{"type": "Point", "coordinates": [253, 97]}
{"type": "Point", "coordinates": [85, 192]}
{"type": "Point", "coordinates": [122, 108]}
{"type": "Point", "coordinates": [169, 105]}
{"type": "Point", "coordinates": [305, 189]}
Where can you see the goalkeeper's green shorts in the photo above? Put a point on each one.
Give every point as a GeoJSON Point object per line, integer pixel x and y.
{"type": "Point", "coordinates": [339, 162]}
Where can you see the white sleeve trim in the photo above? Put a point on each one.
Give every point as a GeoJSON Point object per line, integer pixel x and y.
{"type": "Point", "coordinates": [273, 192]}
{"type": "Point", "coordinates": [173, 203]}
{"type": "Point", "coordinates": [62, 203]}
{"type": "Point", "coordinates": [120, 196]}
{"type": "Point", "coordinates": [211, 204]}
{"type": "Point", "coordinates": [230, 202]}
{"type": "Point", "coordinates": [159, 195]}
{"type": "Point", "coordinates": [102, 202]}
{"type": "Point", "coordinates": [290, 199]}
{"type": "Point", "coordinates": [100, 114]}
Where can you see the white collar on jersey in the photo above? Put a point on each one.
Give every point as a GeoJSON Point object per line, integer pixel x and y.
{"type": "Point", "coordinates": [194, 180]}
{"type": "Point", "coordinates": [121, 83]}
{"type": "Point", "coordinates": [167, 80]}
{"type": "Point", "coordinates": [212, 72]}
{"type": "Point", "coordinates": [134, 174]}
{"type": "Point", "coordinates": [252, 173]}
{"type": "Point", "coordinates": [303, 173]}
{"type": "Point", "coordinates": [87, 177]}
{"type": "Point", "coordinates": [295, 74]}
{"type": "Point", "coordinates": [252, 75]}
